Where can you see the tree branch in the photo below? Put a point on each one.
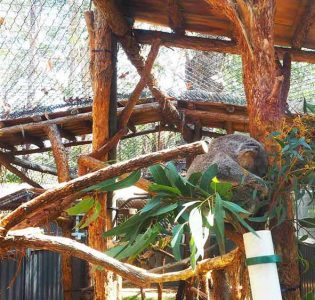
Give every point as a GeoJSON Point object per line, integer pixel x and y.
{"type": "Point", "coordinates": [54, 198]}
{"type": "Point", "coordinates": [134, 274]}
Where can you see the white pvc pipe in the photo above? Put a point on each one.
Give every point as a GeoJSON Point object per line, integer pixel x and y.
{"type": "Point", "coordinates": [264, 280]}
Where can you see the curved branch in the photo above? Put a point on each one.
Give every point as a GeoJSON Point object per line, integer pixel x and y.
{"type": "Point", "coordinates": [73, 189]}
{"type": "Point", "coordinates": [138, 276]}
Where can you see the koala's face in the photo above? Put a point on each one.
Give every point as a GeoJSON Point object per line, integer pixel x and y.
{"type": "Point", "coordinates": [253, 158]}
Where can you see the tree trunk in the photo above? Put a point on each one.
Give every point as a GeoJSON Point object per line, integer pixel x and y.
{"type": "Point", "coordinates": [254, 29]}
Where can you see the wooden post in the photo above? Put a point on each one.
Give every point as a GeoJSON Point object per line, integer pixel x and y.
{"type": "Point", "coordinates": [63, 173]}
{"type": "Point", "coordinates": [104, 105]}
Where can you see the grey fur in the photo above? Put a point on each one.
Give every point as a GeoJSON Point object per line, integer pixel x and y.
{"type": "Point", "coordinates": [239, 158]}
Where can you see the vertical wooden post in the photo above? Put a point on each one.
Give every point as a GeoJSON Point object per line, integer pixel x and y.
{"type": "Point", "coordinates": [63, 173]}
{"type": "Point", "coordinates": [104, 125]}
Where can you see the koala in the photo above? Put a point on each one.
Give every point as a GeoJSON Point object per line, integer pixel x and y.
{"type": "Point", "coordinates": [240, 159]}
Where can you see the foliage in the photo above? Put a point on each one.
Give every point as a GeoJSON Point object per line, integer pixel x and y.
{"type": "Point", "coordinates": [196, 207]}
{"type": "Point", "coordinates": [292, 170]}
{"type": "Point", "coordinates": [91, 207]}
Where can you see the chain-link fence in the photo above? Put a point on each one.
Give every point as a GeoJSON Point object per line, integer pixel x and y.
{"type": "Point", "coordinates": [45, 67]}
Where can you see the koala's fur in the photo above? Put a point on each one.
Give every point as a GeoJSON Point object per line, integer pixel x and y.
{"type": "Point", "coordinates": [240, 158]}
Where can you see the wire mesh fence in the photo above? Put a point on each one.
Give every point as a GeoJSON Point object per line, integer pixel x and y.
{"type": "Point", "coordinates": [45, 64]}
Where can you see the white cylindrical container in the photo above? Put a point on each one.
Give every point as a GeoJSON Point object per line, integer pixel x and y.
{"type": "Point", "coordinates": [264, 279]}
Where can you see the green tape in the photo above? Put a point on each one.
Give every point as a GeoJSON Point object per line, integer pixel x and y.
{"type": "Point", "coordinates": [267, 259]}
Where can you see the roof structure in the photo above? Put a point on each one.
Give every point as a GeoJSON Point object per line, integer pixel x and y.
{"type": "Point", "coordinates": [44, 55]}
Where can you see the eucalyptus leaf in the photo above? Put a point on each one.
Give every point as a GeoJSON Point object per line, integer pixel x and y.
{"type": "Point", "coordinates": [207, 177]}
{"type": "Point", "coordinates": [177, 233]}
{"type": "Point", "coordinates": [82, 207]}
{"type": "Point", "coordinates": [195, 225]}
{"type": "Point", "coordinates": [96, 212]}
{"type": "Point", "coordinates": [159, 175]}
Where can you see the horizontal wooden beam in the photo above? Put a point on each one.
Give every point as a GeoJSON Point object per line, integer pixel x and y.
{"type": "Point", "coordinates": [142, 114]}
{"type": "Point", "coordinates": [215, 45]}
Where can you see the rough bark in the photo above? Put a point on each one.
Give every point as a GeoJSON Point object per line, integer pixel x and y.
{"type": "Point", "coordinates": [136, 275]}
{"type": "Point", "coordinates": [176, 17]}
{"type": "Point", "coordinates": [254, 30]}
{"type": "Point", "coordinates": [101, 75]}
{"type": "Point", "coordinates": [208, 44]}
{"type": "Point", "coordinates": [63, 173]}
{"type": "Point", "coordinates": [57, 197]}
{"type": "Point", "coordinates": [121, 28]}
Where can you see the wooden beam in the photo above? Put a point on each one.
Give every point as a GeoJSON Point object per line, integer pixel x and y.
{"type": "Point", "coordinates": [6, 163]}
{"type": "Point", "coordinates": [63, 173]}
{"type": "Point", "coordinates": [26, 164]}
{"type": "Point", "coordinates": [303, 25]}
{"type": "Point", "coordinates": [55, 197]}
{"type": "Point", "coordinates": [142, 114]}
{"type": "Point", "coordinates": [46, 149]}
{"type": "Point", "coordinates": [176, 17]}
{"type": "Point", "coordinates": [67, 134]}
{"type": "Point", "coordinates": [59, 152]}
{"type": "Point", "coordinates": [121, 28]}
{"type": "Point", "coordinates": [206, 44]}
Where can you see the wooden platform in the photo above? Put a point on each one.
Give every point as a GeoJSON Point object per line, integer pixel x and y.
{"type": "Point", "coordinates": [78, 122]}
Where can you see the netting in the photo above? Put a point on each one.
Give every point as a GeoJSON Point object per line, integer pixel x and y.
{"type": "Point", "coordinates": [44, 64]}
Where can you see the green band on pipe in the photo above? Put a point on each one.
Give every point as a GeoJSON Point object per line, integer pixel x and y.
{"type": "Point", "coordinates": [263, 260]}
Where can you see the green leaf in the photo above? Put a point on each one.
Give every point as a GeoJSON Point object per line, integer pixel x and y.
{"type": "Point", "coordinates": [141, 242]}
{"type": "Point", "coordinates": [114, 251]}
{"type": "Point", "coordinates": [176, 179]}
{"type": "Point", "coordinates": [127, 226]}
{"type": "Point", "coordinates": [152, 203]}
{"type": "Point", "coordinates": [96, 212]}
{"type": "Point", "coordinates": [176, 241]}
{"type": "Point", "coordinates": [309, 296]}
{"type": "Point", "coordinates": [219, 222]}
{"type": "Point", "coordinates": [164, 210]}
{"type": "Point", "coordinates": [159, 175]}
{"type": "Point", "coordinates": [185, 206]}
{"type": "Point", "coordinates": [82, 207]}
{"type": "Point", "coordinates": [223, 188]}
{"type": "Point", "coordinates": [307, 222]}
{"type": "Point", "coordinates": [109, 185]}
{"type": "Point", "coordinates": [195, 225]}
{"type": "Point", "coordinates": [195, 178]}
{"type": "Point", "coordinates": [193, 251]}
{"type": "Point", "coordinates": [245, 224]}
{"type": "Point", "coordinates": [233, 207]}
{"type": "Point", "coordinates": [207, 177]}
{"type": "Point", "coordinates": [307, 107]}
{"type": "Point", "coordinates": [164, 188]}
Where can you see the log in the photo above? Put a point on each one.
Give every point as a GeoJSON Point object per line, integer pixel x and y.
{"type": "Point", "coordinates": [63, 173]}
{"type": "Point", "coordinates": [207, 117]}
{"type": "Point", "coordinates": [142, 114]}
{"type": "Point", "coordinates": [122, 29]}
{"type": "Point", "coordinates": [59, 152]}
{"type": "Point", "coordinates": [135, 95]}
{"type": "Point", "coordinates": [176, 17]}
{"type": "Point", "coordinates": [26, 164]}
{"type": "Point", "coordinates": [6, 163]}
{"type": "Point", "coordinates": [134, 274]}
{"type": "Point", "coordinates": [303, 25]}
{"type": "Point", "coordinates": [207, 44]}
{"type": "Point", "coordinates": [74, 187]}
